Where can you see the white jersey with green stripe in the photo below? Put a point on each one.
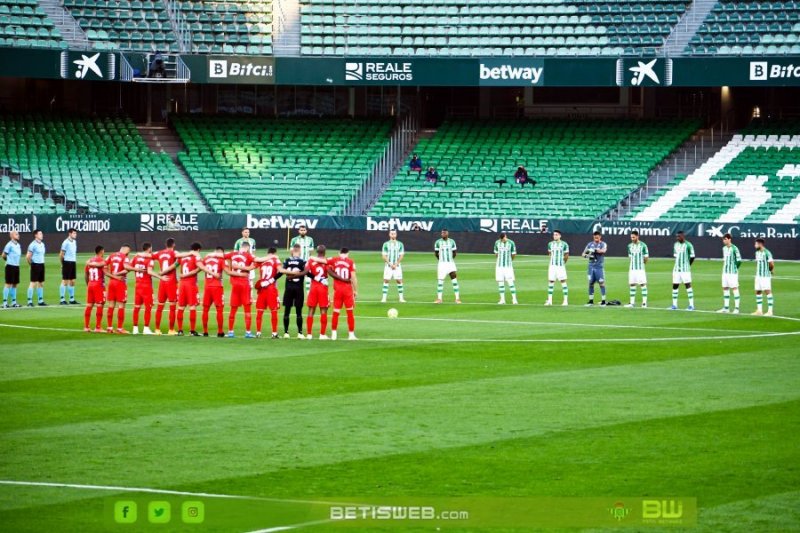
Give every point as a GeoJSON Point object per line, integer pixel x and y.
{"type": "Point", "coordinates": [238, 244]}
{"type": "Point", "coordinates": [505, 252]}
{"type": "Point", "coordinates": [557, 251]}
{"type": "Point", "coordinates": [445, 247]}
{"type": "Point", "coordinates": [393, 250]}
{"type": "Point", "coordinates": [637, 253]}
{"type": "Point", "coordinates": [763, 259]}
{"type": "Point", "coordinates": [731, 259]}
{"type": "Point", "coordinates": [306, 246]}
{"type": "Point", "coordinates": [683, 252]}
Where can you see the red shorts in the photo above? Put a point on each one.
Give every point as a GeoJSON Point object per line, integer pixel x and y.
{"type": "Point", "coordinates": [188, 294]}
{"type": "Point", "coordinates": [213, 295]}
{"type": "Point", "coordinates": [240, 293]}
{"type": "Point", "coordinates": [343, 298]}
{"type": "Point", "coordinates": [167, 291]}
{"type": "Point", "coordinates": [268, 298]}
{"type": "Point", "coordinates": [143, 295]}
{"type": "Point", "coordinates": [117, 291]}
{"type": "Point", "coordinates": [318, 295]}
{"type": "Point", "coordinates": [95, 293]}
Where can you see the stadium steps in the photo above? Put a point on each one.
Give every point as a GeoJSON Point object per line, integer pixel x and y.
{"type": "Point", "coordinates": [682, 162]}
{"type": "Point", "coordinates": [70, 30]}
{"type": "Point", "coordinates": [403, 139]}
{"type": "Point", "coordinates": [687, 27]}
{"type": "Point", "coordinates": [19, 195]}
{"type": "Point", "coordinates": [286, 30]}
{"type": "Point", "coordinates": [162, 139]}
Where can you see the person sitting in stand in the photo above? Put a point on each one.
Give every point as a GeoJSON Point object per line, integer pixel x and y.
{"type": "Point", "coordinates": [432, 176]}
{"type": "Point", "coordinates": [521, 177]}
{"type": "Point", "coordinates": [415, 165]}
{"type": "Point", "coordinates": [157, 68]}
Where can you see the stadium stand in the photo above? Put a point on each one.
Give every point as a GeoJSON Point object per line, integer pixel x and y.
{"type": "Point", "coordinates": [486, 27]}
{"type": "Point", "coordinates": [16, 199]}
{"type": "Point", "coordinates": [141, 25]}
{"type": "Point", "coordinates": [290, 166]}
{"type": "Point", "coordinates": [24, 24]}
{"type": "Point", "coordinates": [102, 165]}
{"type": "Point", "coordinates": [736, 27]}
{"type": "Point", "coordinates": [228, 27]}
{"type": "Point", "coordinates": [582, 167]}
{"type": "Point", "coordinates": [754, 178]}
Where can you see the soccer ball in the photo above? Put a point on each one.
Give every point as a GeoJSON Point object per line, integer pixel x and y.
{"type": "Point", "coordinates": [392, 313]}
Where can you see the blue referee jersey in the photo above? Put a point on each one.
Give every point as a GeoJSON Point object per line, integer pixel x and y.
{"type": "Point", "coordinates": [70, 249]}
{"type": "Point", "coordinates": [36, 249]}
{"type": "Point", "coordinates": [13, 253]}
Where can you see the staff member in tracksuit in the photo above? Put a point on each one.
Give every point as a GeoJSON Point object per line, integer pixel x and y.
{"type": "Point", "coordinates": [35, 258]}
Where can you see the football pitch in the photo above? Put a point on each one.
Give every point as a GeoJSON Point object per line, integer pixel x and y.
{"type": "Point", "coordinates": [470, 400]}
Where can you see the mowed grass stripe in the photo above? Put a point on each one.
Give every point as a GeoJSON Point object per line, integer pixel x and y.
{"type": "Point", "coordinates": [189, 445]}
{"type": "Point", "coordinates": [147, 380]}
{"type": "Point", "coordinates": [691, 455]}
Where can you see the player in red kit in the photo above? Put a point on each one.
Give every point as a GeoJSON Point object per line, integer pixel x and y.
{"type": "Point", "coordinates": [95, 290]}
{"type": "Point", "coordinates": [117, 292]}
{"type": "Point", "coordinates": [268, 270]}
{"type": "Point", "coordinates": [317, 269]}
{"type": "Point", "coordinates": [188, 290]}
{"type": "Point", "coordinates": [168, 286]}
{"type": "Point", "coordinates": [241, 263]}
{"type": "Point", "coordinates": [214, 266]}
{"type": "Point", "coordinates": [142, 266]}
{"type": "Point", "coordinates": [345, 288]}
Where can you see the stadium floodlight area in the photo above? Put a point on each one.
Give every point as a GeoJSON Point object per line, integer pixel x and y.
{"type": "Point", "coordinates": [24, 24]}
{"type": "Point", "coordinates": [100, 165]}
{"type": "Point", "coordinates": [754, 178]}
{"type": "Point", "coordinates": [290, 166]}
{"type": "Point", "coordinates": [582, 167]}
{"type": "Point", "coordinates": [749, 28]}
{"type": "Point", "coordinates": [486, 28]}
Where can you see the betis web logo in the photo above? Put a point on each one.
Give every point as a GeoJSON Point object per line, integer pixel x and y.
{"type": "Point", "coordinates": [619, 511]}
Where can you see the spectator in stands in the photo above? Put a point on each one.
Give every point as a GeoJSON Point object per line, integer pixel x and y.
{"type": "Point", "coordinates": [415, 165]}
{"type": "Point", "coordinates": [157, 69]}
{"type": "Point", "coordinates": [432, 176]}
{"type": "Point", "coordinates": [521, 177]}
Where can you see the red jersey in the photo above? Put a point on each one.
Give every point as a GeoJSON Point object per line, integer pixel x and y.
{"type": "Point", "coordinates": [116, 262]}
{"type": "Point", "coordinates": [96, 274]}
{"type": "Point", "coordinates": [240, 260]}
{"type": "Point", "coordinates": [187, 264]}
{"type": "Point", "coordinates": [267, 271]}
{"type": "Point", "coordinates": [165, 259]}
{"type": "Point", "coordinates": [344, 268]}
{"type": "Point", "coordinates": [142, 263]}
{"type": "Point", "coordinates": [317, 271]}
{"type": "Point", "coordinates": [215, 265]}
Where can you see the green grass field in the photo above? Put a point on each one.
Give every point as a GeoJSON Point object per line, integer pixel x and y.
{"type": "Point", "coordinates": [471, 400]}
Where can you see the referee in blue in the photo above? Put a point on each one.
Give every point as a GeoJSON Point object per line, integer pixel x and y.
{"type": "Point", "coordinates": [35, 258]}
{"type": "Point", "coordinates": [595, 252]}
{"type": "Point", "coordinates": [68, 256]}
{"type": "Point", "coordinates": [11, 254]}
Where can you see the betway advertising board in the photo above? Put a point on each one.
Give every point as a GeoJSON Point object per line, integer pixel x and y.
{"type": "Point", "coordinates": [189, 222]}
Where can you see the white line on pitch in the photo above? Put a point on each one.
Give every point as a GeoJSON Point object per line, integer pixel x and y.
{"type": "Point", "coordinates": [147, 490]}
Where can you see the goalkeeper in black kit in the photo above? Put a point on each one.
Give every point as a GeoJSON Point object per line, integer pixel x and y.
{"type": "Point", "coordinates": [294, 293]}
